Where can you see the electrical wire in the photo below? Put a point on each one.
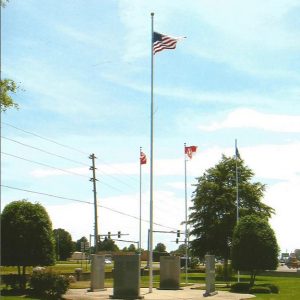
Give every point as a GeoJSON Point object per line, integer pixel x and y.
{"type": "Point", "coordinates": [46, 139]}
{"type": "Point", "coordinates": [86, 202]}
{"type": "Point", "coordinates": [44, 165]}
{"type": "Point", "coordinates": [42, 150]}
{"type": "Point", "coordinates": [69, 147]}
{"type": "Point", "coordinates": [59, 169]}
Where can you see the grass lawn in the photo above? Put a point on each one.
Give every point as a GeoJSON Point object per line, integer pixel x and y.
{"type": "Point", "coordinates": [289, 286]}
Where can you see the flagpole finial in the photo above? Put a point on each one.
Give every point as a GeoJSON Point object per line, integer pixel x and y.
{"type": "Point", "coordinates": [152, 14]}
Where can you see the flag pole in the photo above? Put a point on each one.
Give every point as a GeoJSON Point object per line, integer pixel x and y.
{"type": "Point", "coordinates": [151, 169]}
{"type": "Point", "coordinates": [186, 235]}
{"type": "Point", "coordinates": [140, 221]}
{"type": "Point", "coordinates": [237, 192]}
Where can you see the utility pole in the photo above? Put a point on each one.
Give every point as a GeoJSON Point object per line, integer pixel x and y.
{"type": "Point", "coordinates": [93, 179]}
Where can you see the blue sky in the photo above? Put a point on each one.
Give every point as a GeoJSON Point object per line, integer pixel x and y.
{"type": "Point", "coordinates": [84, 70]}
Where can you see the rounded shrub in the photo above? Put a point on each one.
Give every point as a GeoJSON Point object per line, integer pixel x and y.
{"type": "Point", "coordinates": [240, 287]}
{"type": "Point", "coordinates": [49, 285]}
{"type": "Point", "coordinates": [273, 288]}
{"type": "Point", "coordinates": [260, 290]}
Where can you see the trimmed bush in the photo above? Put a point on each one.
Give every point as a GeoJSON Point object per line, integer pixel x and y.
{"type": "Point", "coordinates": [260, 290]}
{"type": "Point", "coordinates": [240, 287]}
{"type": "Point", "coordinates": [273, 288]}
{"type": "Point", "coordinates": [49, 285]}
{"type": "Point", "coordinates": [10, 280]}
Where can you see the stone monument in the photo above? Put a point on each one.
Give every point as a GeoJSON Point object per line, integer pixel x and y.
{"type": "Point", "coordinates": [210, 276]}
{"type": "Point", "coordinates": [97, 272]}
{"type": "Point", "coordinates": [126, 276]}
{"type": "Point", "coordinates": [169, 273]}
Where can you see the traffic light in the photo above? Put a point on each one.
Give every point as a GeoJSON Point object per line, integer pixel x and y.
{"type": "Point", "coordinates": [178, 233]}
{"type": "Point", "coordinates": [119, 234]}
{"type": "Point", "coordinates": [177, 241]}
{"type": "Point", "coordinates": [108, 234]}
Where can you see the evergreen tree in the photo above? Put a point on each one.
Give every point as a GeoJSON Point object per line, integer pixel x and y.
{"type": "Point", "coordinates": [214, 211]}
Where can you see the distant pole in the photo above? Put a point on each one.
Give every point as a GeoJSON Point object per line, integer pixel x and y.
{"type": "Point", "coordinates": [151, 169]}
{"type": "Point", "coordinates": [93, 179]}
{"type": "Point", "coordinates": [237, 192]}
{"type": "Point", "coordinates": [140, 221]}
{"type": "Point", "coordinates": [237, 182]}
{"type": "Point", "coordinates": [186, 217]}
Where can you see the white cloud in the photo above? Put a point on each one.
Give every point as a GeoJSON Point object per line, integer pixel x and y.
{"type": "Point", "coordinates": [284, 197]}
{"type": "Point", "coordinates": [249, 118]}
{"type": "Point", "coordinates": [279, 162]}
{"type": "Point", "coordinates": [176, 185]}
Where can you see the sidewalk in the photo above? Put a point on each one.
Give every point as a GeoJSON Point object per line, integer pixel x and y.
{"type": "Point", "coordinates": [185, 294]}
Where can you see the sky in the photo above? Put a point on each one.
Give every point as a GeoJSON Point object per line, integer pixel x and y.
{"type": "Point", "coordinates": [84, 70]}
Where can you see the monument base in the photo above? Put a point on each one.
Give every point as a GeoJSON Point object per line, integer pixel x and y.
{"type": "Point", "coordinates": [96, 290]}
{"type": "Point", "coordinates": [169, 289]}
{"type": "Point", "coordinates": [127, 298]}
{"type": "Point", "coordinates": [210, 294]}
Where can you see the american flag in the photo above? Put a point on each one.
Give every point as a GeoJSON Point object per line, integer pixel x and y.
{"type": "Point", "coordinates": [162, 42]}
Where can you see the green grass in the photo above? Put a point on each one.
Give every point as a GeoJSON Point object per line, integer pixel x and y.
{"type": "Point", "coordinates": [289, 286]}
{"type": "Point", "coordinates": [60, 267]}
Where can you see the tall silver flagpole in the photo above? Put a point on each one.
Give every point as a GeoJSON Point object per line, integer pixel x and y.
{"type": "Point", "coordinates": [140, 221]}
{"type": "Point", "coordinates": [151, 170]}
{"type": "Point", "coordinates": [237, 191]}
{"type": "Point", "coordinates": [186, 233]}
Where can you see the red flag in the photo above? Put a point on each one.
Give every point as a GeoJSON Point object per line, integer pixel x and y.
{"type": "Point", "coordinates": [190, 150]}
{"type": "Point", "coordinates": [143, 158]}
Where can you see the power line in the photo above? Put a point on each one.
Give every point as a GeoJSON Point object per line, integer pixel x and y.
{"type": "Point", "coordinates": [68, 159]}
{"type": "Point", "coordinates": [86, 202]}
{"type": "Point", "coordinates": [59, 169]}
{"type": "Point", "coordinates": [42, 150]}
{"type": "Point", "coordinates": [46, 139]}
{"type": "Point", "coordinates": [65, 146]}
{"type": "Point", "coordinates": [44, 165]}
{"type": "Point", "coordinates": [45, 194]}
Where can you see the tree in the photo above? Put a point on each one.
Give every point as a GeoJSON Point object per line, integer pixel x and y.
{"type": "Point", "coordinates": [180, 251]}
{"type": "Point", "coordinates": [64, 245]}
{"type": "Point", "coordinates": [160, 247]}
{"type": "Point", "coordinates": [254, 246]}
{"type": "Point", "coordinates": [7, 86]}
{"type": "Point", "coordinates": [78, 243]}
{"type": "Point", "coordinates": [213, 214]}
{"type": "Point", "coordinates": [107, 245]}
{"type": "Point", "coordinates": [26, 237]}
{"type": "Point", "coordinates": [3, 3]}
{"type": "Point", "coordinates": [297, 253]}
{"type": "Point", "coordinates": [131, 248]}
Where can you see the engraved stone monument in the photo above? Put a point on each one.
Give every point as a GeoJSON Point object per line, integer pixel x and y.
{"type": "Point", "coordinates": [210, 276]}
{"type": "Point", "coordinates": [97, 272]}
{"type": "Point", "coordinates": [126, 276]}
{"type": "Point", "coordinates": [169, 272]}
